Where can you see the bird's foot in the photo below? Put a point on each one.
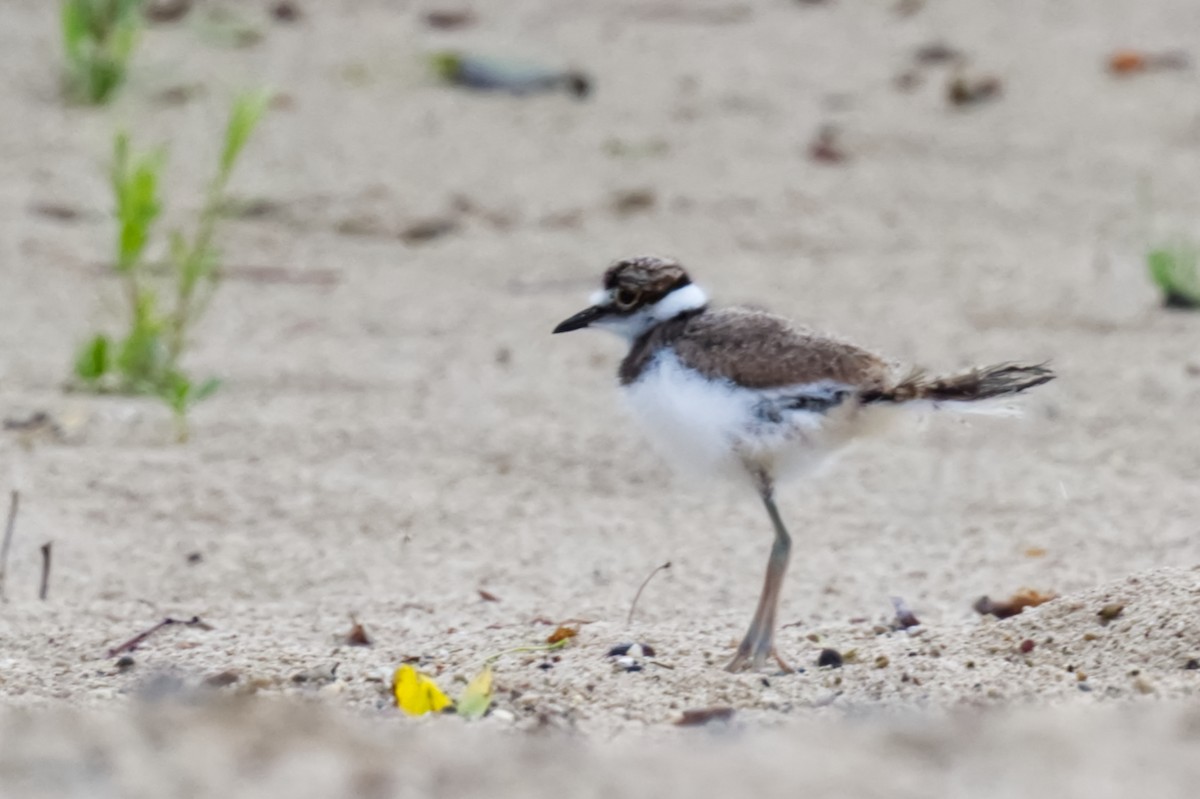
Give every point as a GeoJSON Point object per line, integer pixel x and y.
{"type": "Point", "coordinates": [754, 658]}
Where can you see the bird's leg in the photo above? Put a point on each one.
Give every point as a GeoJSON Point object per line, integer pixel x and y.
{"type": "Point", "coordinates": [759, 644]}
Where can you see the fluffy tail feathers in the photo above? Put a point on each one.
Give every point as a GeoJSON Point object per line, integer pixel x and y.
{"type": "Point", "coordinates": [981, 383]}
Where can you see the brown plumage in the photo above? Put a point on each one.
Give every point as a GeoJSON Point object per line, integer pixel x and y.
{"type": "Point", "coordinates": [980, 383]}
{"type": "Point", "coordinates": [756, 349]}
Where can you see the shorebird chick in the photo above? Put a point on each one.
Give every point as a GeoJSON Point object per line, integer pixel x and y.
{"type": "Point", "coordinates": [746, 394]}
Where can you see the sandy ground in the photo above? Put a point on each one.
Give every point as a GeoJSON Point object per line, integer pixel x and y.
{"type": "Point", "coordinates": [398, 429]}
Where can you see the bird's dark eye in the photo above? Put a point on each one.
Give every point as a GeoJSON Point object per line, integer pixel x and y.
{"type": "Point", "coordinates": [626, 298]}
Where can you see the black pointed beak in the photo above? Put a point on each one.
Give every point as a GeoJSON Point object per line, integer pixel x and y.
{"type": "Point", "coordinates": [581, 319]}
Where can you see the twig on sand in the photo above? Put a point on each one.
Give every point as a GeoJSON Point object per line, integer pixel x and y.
{"type": "Point", "coordinates": [44, 588]}
{"type": "Point", "coordinates": [642, 587]}
{"type": "Point", "coordinates": [9, 528]}
{"type": "Point", "coordinates": [136, 641]}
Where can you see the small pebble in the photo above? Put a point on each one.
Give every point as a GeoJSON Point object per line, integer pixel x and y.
{"type": "Point", "coordinates": [124, 663]}
{"type": "Point", "coordinates": [1192, 664]}
{"type": "Point", "coordinates": [1027, 646]}
{"type": "Point", "coordinates": [695, 718]}
{"type": "Point", "coordinates": [221, 679]}
{"type": "Point", "coordinates": [831, 658]}
{"type": "Point", "coordinates": [1110, 611]}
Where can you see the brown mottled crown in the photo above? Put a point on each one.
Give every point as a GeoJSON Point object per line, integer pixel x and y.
{"type": "Point", "coordinates": [644, 280]}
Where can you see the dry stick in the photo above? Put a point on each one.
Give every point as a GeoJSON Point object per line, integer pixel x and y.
{"type": "Point", "coordinates": [136, 640]}
{"type": "Point", "coordinates": [642, 587]}
{"type": "Point", "coordinates": [45, 586]}
{"type": "Point", "coordinates": [9, 528]}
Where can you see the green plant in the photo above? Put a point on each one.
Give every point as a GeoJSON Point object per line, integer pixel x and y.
{"type": "Point", "coordinates": [98, 39]}
{"type": "Point", "coordinates": [1175, 269]}
{"type": "Point", "coordinates": [163, 308]}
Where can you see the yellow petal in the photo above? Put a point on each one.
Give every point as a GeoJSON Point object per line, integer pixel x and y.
{"type": "Point", "coordinates": [417, 693]}
{"type": "Point", "coordinates": [478, 696]}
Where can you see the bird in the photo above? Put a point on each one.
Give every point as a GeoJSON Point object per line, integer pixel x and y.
{"type": "Point", "coordinates": [744, 394]}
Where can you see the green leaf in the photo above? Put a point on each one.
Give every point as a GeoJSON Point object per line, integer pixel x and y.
{"type": "Point", "coordinates": [206, 389]}
{"type": "Point", "coordinates": [99, 37]}
{"type": "Point", "coordinates": [248, 110]}
{"type": "Point", "coordinates": [1176, 272]}
{"type": "Point", "coordinates": [135, 182]}
{"type": "Point", "coordinates": [92, 362]}
{"type": "Point", "coordinates": [74, 29]}
{"type": "Point", "coordinates": [142, 356]}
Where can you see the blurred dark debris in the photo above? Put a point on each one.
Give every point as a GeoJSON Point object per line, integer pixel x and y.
{"type": "Point", "coordinates": [162, 11]}
{"type": "Point", "coordinates": [701, 716]}
{"type": "Point", "coordinates": [251, 208]}
{"type": "Point", "coordinates": [964, 89]}
{"type": "Point", "coordinates": [38, 427]}
{"type": "Point", "coordinates": [450, 19]}
{"type": "Point", "coordinates": [502, 356]}
{"type": "Point", "coordinates": [633, 201]}
{"type": "Point", "coordinates": [179, 94]}
{"type": "Point", "coordinates": [194, 557]}
{"type": "Point", "coordinates": [905, 618]}
{"type": "Point", "coordinates": [222, 678]}
{"type": "Point", "coordinates": [928, 56]}
{"type": "Point", "coordinates": [426, 230]}
{"type": "Point", "coordinates": [909, 80]}
{"type": "Point", "coordinates": [1025, 598]}
{"type": "Point", "coordinates": [1027, 646]}
{"type": "Point", "coordinates": [60, 212]}
{"type": "Point", "coordinates": [1132, 62]}
{"type": "Point", "coordinates": [826, 147]}
{"type": "Point", "coordinates": [494, 74]}
{"type": "Point", "coordinates": [286, 11]}
{"type": "Point", "coordinates": [358, 634]}
{"type": "Point", "coordinates": [35, 421]}
{"type": "Point", "coordinates": [937, 53]}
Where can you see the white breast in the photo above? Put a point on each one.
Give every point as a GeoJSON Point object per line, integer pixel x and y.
{"type": "Point", "coordinates": [713, 427]}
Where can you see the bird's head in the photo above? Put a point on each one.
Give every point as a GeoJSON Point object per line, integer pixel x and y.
{"type": "Point", "coordinates": [638, 294]}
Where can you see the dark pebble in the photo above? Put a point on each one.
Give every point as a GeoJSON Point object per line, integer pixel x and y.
{"type": "Point", "coordinates": [831, 658]}
{"type": "Point", "coordinates": [1192, 664]}
{"type": "Point", "coordinates": [124, 663]}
